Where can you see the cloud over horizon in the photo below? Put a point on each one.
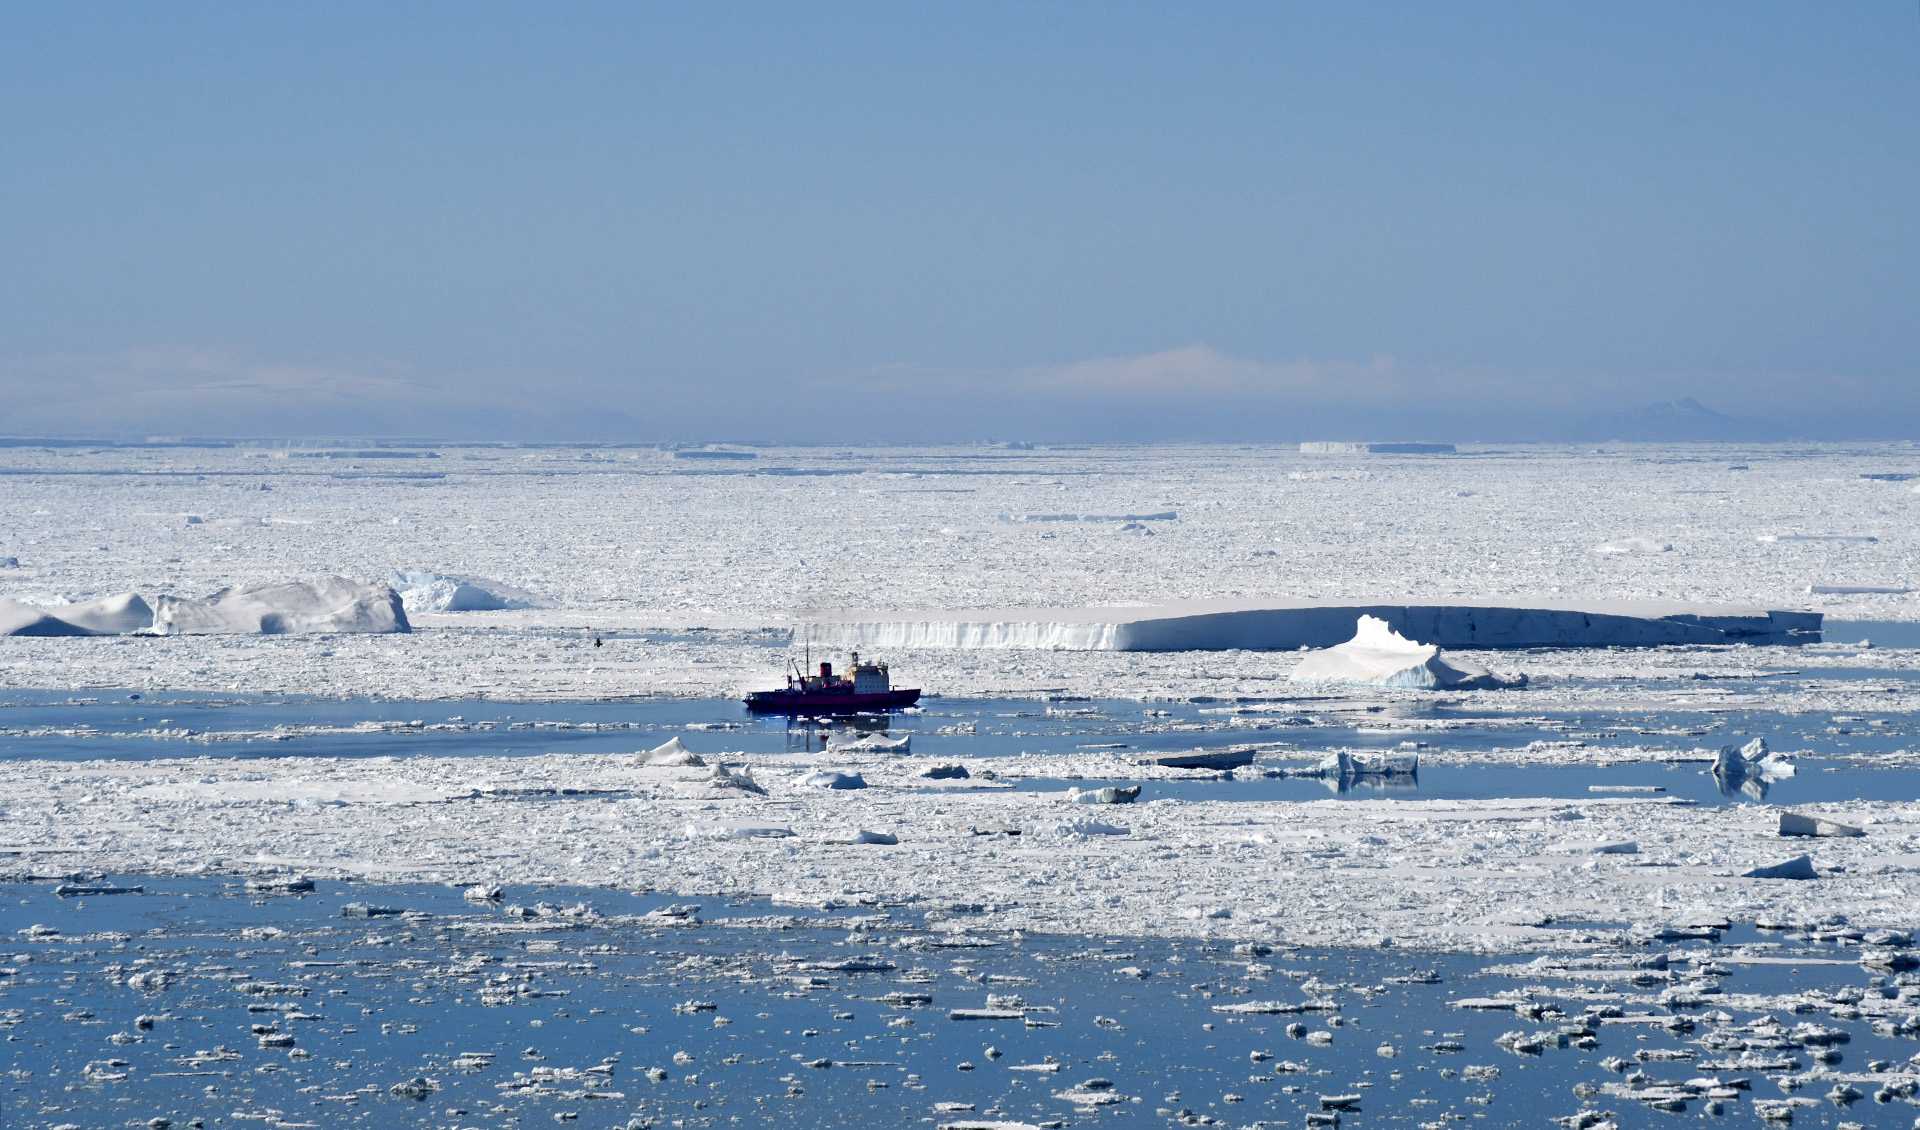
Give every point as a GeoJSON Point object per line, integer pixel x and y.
{"type": "Point", "coordinates": [1187, 393]}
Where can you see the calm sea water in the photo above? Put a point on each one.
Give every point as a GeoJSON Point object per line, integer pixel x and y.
{"type": "Point", "coordinates": [200, 1002]}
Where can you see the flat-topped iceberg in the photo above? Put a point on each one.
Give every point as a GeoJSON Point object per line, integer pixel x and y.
{"type": "Point", "coordinates": [1283, 624]}
{"type": "Point", "coordinates": [1378, 656]}
{"type": "Point", "coordinates": [325, 604]}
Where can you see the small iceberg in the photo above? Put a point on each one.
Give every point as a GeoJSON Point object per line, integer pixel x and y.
{"type": "Point", "coordinates": [871, 743]}
{"type": "Point", "coordinates": [724, 778]}
{"type": "Point", "coordinates": [1799, 867]}
{"type": "Point", "coordinates": [833, 779]}
{"type": "Point", "coordinates": [1378, 656]}
{"type": "Point", "coordinates": [1107, 794]}
{"type": "Point", "coordinates": [1073, 829]}
{"type": "Point", "coordinates": [1798, 824]}
{"type": "Point", "coordinates": [862, 836]}
{"type": "Point", "coordinates": [432, 592]}
{"type": "Point", "coordinates": [1749, 769]}
{"type": "Point", "coordinates": [1344, 766]}
{"type": "Point", "coordinates": [1633, 545]}
{"type": "Point", "coordinates": [669, 753]}
{"type": "Point", "coordinates": [736, 830]}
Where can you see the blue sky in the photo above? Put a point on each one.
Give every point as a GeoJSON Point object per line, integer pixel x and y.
{"type": "Point", "coordinates": [1044, 221]}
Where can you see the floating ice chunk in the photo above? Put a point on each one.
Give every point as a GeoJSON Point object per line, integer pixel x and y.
{"type": "Point", "coordinates": [833, 779]}
{"type": "Point", "coordinates": [417, 1088]}
{"type": "Point", "coordinates": [1795, 824]}
{"type": "Point", "coordinates": [1259, 1008]}
{"type": "Point", "coordinates": [1799, 867]}
{"type": "Point", "coordinates": [1091, 1093]}
{"type": "Point", "coordinates": [1199, 912]}
{"type": "Point", "coordinates": [735, 830]}
{"type": "Point", "coordinates": [725, 778]}
{"type": "Point", "coordinates": [80, 890]}
{"type": "Point", "coordinates": [1108, 794]}
{"type": "Point", "coordinates": [1604, 847]}
{"type": "Point", "coordinates": [326, 604]}
{"type": "Point", "coordinates": [673, 751]}
{"type": "Point", "coordinates": [946, 772]}
{"type": "Point", "coordinates": [434, 592]}
{"type": "Point", "coordinates": [1067, 829]}
{"type": "Point", "coordinates": [1633, 545]}
{"type": "Point", "coordinates": [1378, 656]}
{"type": "Point", "coordinates": [1749, 768]}
{"type": "Point", "coordinates": [862, 836]}
{"type": "Point", "coordinates": [871, 743]}
{"type": "Point", "coordinates": [1201, 759]}
{"type": "Point", "coordinates": [1344, 766]}
{"type": "Point", "coordinates": [482, 892]}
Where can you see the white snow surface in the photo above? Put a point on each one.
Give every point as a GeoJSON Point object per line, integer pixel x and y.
{"type": "Point", "coordinates": [1378, 656]}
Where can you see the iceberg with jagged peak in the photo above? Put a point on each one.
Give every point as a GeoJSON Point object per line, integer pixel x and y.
{"type": "Point", "coordinates": [433, 592]}
{"type": "Point", "coordinates": [1378, 656]}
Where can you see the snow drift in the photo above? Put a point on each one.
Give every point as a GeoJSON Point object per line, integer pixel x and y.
{"type": "Point", "coordinates": [326, 604]}
{"type": "Point", "coordinates": [1378, 656]}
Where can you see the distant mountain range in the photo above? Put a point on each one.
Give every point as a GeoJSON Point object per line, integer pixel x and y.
{"type": "Point", "coordinates": [1679, 421]}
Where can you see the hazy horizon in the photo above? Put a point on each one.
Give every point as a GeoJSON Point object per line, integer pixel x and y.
{"type": "Point", "coordinates": [1486, 222]}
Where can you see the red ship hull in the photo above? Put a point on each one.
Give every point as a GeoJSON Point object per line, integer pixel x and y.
{"type": "Point", "coordinates": [794, 702]}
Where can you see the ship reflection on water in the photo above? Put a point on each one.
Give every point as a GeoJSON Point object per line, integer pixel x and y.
{"type": "Point", "coordinates": [810, 733]}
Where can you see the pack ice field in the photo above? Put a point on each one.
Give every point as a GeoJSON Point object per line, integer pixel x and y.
{"type": "Point", "coordinates": [1659, 867]}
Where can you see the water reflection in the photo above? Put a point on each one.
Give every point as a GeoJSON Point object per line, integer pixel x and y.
{"type": "Point", "coordinates": [201, 1000]}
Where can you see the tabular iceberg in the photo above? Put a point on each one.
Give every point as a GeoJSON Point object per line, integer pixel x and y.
{"type": "Point", "coordinates": [325, 604]}
{"type": "Point", "coordinates": [1285, 624]}
{"type": "Point", "coordinates": [1378, 656]}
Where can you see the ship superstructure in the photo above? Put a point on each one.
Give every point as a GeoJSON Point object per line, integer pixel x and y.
{"type": "Point", "coordinates": [865, 686]}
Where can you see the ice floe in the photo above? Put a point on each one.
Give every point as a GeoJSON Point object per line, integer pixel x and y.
{"type": "Point", "coordinates": [832, 779]}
